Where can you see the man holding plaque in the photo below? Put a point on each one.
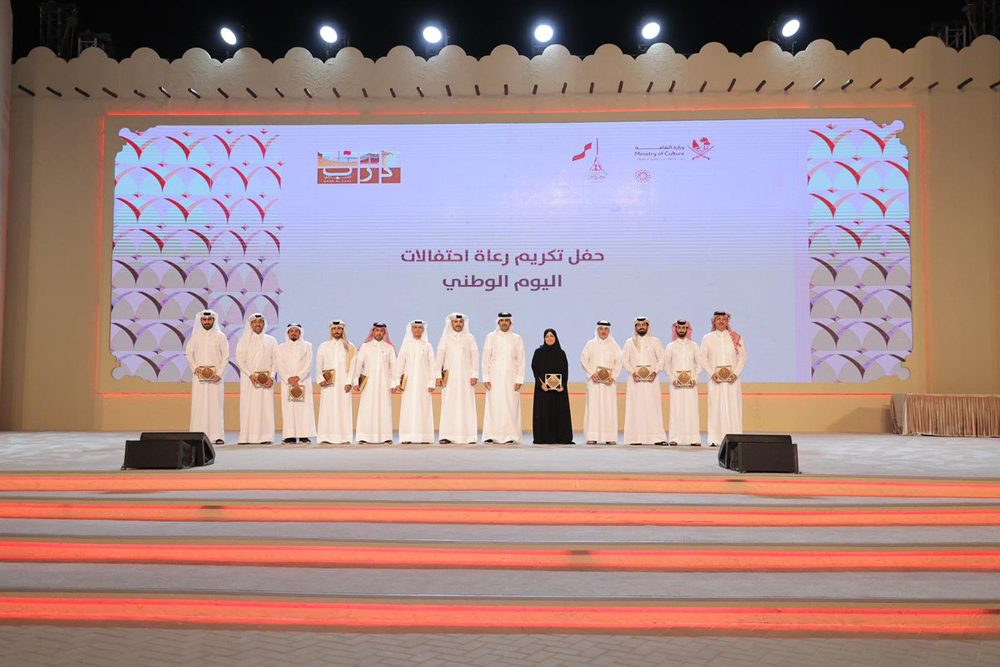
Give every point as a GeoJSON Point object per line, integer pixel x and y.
{"type": "Point", "coordinates": [374, 372]}
{"type": "Point", "coordinates": [503, 375]}
{"type": "Point", "coordinates": [682, 365]}
{"type": "Point", "coordinates": [642, 357]}
{"type": "Point", "coordinates": [335, 371]}
{"type": "Point", "coordinates": [207, 353]}
{"type": "Point", "coordinates": [602, 362]}
{"type": "Point", "coordinates": [723, 356]}
{"type": "Point", "coordinates": [256, 355]}
{"type": "Point", "coordinates": [416, 377]}
{"type": "Point", "coordinates": [458, 359]}
{"type": "Point", "coordinates": [295, 358]}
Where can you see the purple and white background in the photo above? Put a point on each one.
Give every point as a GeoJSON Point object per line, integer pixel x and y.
{"type": "Point", "coordinates": [798, 227]}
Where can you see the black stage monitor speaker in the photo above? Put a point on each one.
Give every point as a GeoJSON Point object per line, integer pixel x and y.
{"type": "Point", "coordinates": [172, 450]}
{"type": "Point", "coordinates": [759, 453]}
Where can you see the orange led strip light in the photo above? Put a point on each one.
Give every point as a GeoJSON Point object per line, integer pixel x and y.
{"type": "Point", "coordinates": [571, 482]}
{"type": "Point", "coordinates": [504, 513]}
{"type": "Point", "coordinates": [492, 556]}
{"type": "Point", "coordinates": [514, 616]}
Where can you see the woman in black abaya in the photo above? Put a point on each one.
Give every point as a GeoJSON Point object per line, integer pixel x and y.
{"type": "Point", "coordinates": [551, 418]}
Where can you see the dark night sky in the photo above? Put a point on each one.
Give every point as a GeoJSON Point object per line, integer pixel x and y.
{"type": "Point", "coordinates": [375, 26]}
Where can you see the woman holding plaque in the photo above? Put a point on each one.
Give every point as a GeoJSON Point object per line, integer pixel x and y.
{"type": "Point", "coordinates": [552, 424]}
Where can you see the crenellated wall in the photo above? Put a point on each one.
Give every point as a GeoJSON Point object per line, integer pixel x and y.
{"type": "Point", "coordinates": [65, 118]}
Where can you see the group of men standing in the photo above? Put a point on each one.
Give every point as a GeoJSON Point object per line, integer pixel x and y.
{"type": "Point", "coordinates": [722, 355]}
{"type": "Point", "coordinates": [376, 370]}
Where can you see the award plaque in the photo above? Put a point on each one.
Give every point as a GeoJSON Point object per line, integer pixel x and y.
{"type": "Point", "coordinates": [402, 382]}
{"type": "Point", "coordinates": [205, 373]}
{"type": "Point", "coordinates": [603, 374]}
{"type": "Point", "coordinates": [645, 373]}
{"type": "Point", "coordinates": [553, 380]}
{"type": "Point", "coordinates": [724, 372]}
{"type": "Point", "coordinates": [684, 378]}
{"type": "Point", "coordinates": [261, 379]}
{"type": "Point", "coordinates": [296, 394]}
{"type": "Point", "coordinates": [330, 376]}
{"type": "Point", "coordinates": [362, 381]}
{"type": "Point", "coordinates": [444, 378]}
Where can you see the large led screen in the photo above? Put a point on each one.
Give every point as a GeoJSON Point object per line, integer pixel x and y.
{"type": "Point", "coordinates": [798, 227]}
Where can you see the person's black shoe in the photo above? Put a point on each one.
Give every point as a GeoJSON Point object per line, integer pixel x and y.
{"type": "Point", "coordinates": [444, 441]}
{"type": "Point", "coordinates": [266, 442]}
{"type": "Point", "coordinates": [387, 442]}
{"type": "Point", "coordinates": [696, 444]}
{"type": "Point", "coordinates": [288, 441]}
{"type": "Point", "coordinates": [713, 445]}
{"type": "Point", "coordinates": [305, 440]}
{"type": "Point", "coordinates": [591, 442]}
{"type": "Point", "coordinates": [636, 444]}
{"type": "Point", "coordinates": [220, 441]}
{"type": "Point", "coordinates": [610, 442]}
{"type": "Point", "coordinates": [661, 444]}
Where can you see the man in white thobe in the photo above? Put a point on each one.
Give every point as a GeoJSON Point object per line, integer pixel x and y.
{"type": "Point", "coordinates": [682, 365]}
{"type": "Point", "coordinates": [503, 375]}
{"type": "Point", "coordinates": [642, 357]}
{"type": "Point", "coordinates": [723, 356]}
{"type": "Point", "coordinates": [335, 372]}
{"type": "Point", "coordinates": [602, 362]}
{"type": "Point", "coordinates": [458, 359]}
{"type": "Point", "coordinates": [375, 363]}
{"type": "Point", "coordinates": [256, 356]}
{"type": "Point", "coordinates": [416, 377]}
{"type": "Point", "coordinates": [207, 353]}
{"type": "Point", "coordinates": [295, 359]}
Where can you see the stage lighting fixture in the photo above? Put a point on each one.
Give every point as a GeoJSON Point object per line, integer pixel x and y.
{"type": "Point", "coordinates": [790, 28]}
{"type": "Point", "coordinates": [228, 36]}
{"type": "Point", "coordinates": [328, 34]}
{"type": "Point", "coordinates": [544, 33]}
{"type": "Point", "coordinates": [651, 30]}
{"type": "Point", "coordinates": [433, 34]}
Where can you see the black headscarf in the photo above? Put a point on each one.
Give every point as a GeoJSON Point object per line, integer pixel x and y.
{"type": "Point", "coordinates": [550, 414]}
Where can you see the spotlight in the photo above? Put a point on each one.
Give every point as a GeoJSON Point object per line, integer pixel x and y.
{"type": "Point", "coordinates": [544, 33]}
{"type": "Point", "coordinates": [328, 34]}
{"type": "Point", "coordinates": [228, 36]}
{"type": "Point", "coordinates": [651, 30]}
{"type": "Point", "coordinates": [790, 28]}
{"type": "Point", "coordinates": [432, 34]}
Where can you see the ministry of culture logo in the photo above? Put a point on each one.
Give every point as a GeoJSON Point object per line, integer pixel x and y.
{"type": "Point", "coordinates": [643, 176]}
{"type": "Point", "coordinates": [353, 167]}
{"type": "Point", "coordinates": [596, 172]}
{"type": "Point", "coordinates": [700, 149]}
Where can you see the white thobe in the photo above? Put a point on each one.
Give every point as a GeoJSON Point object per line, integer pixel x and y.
{"type": "Point", "coordinates": [643, 402]}
{"type": "Point", "coordinates": [376, 360]}
{"type": "Point", "coordinates": [600, 416]}
{"type": "Point", "coordinates": [207, 398]}
{"type": "Point", "coordinates": [685, 423]}
{"type": "Point", "coordinates": [503, 367]}
{"type": "Point", "coordinates": [725, 399]}
{"type": "Point", "coordinates": [254, 353]}
{"type": "Point", "coordinates": [416, 408]}
{"type": "Point", "coordinates": [298, 418]}
{"type": "Point", "coordinates": [459, 355]}
{"type": "Point", "coordinates": [336, 415]}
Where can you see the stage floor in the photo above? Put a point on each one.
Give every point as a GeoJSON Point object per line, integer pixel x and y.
{"type": "Point", "coordinates": [819, 454]}
{"type": "Point", "coordinates": [885, 551]}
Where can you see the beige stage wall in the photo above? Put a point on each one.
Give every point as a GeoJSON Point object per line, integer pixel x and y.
{"type": "Point", "coordinates": [56, 362]}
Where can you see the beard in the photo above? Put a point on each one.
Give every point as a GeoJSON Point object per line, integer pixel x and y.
{"type": "Point", "coordinates": [207, 327]}
{"type": "Point", "coordinates": [642, 332]}
{"type": "Point", "coordinates": [682, 334]}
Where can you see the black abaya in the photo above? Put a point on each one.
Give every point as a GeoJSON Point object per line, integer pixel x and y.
{"type": "Point", "coordinates": [551, 421]}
